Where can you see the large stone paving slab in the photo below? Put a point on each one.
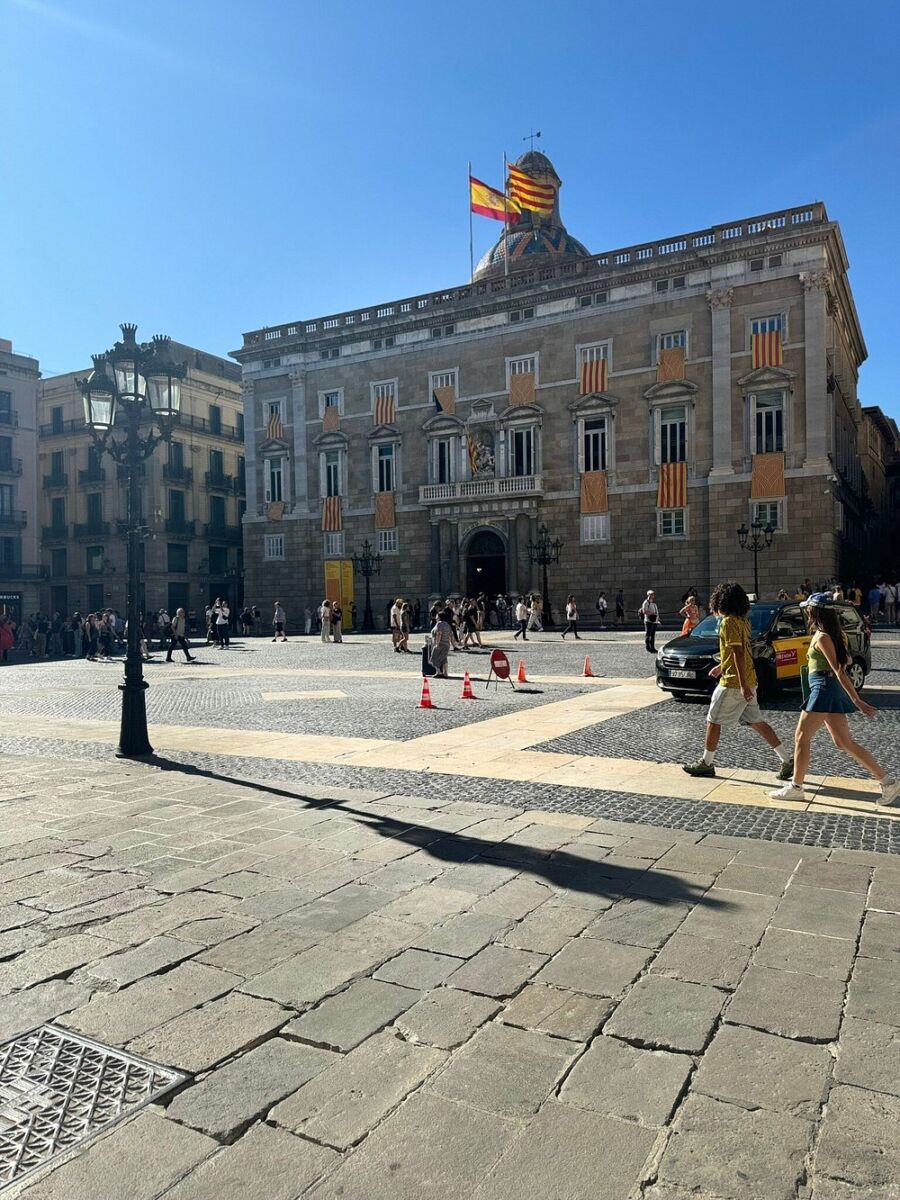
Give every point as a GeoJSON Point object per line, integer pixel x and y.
{"type": "Point", "coordinates": [667, 1014]}
{"type": "Point", "coordinates": [789, 1004]}
{"type": "Point", "coordinates": [557, 1011]}
{"type": "Point", "coordinates": [859, 1143]}
{"type": "Point", "coordinates": [869, 1056]}
{"type": "Point", "coordinates": [756, 1070]}
{"type": "Point", "coordinates": [343, 1021]}
{"type": "Point", "coordinates": [596, 967]}
{"type": "Point", "coordinates": [619, 1080]}
{"type": "Point", "coordinates": [496, 971]}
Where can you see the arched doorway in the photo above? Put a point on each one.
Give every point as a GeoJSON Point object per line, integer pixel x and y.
{"type": "Point", "coordinates": [485, 563]}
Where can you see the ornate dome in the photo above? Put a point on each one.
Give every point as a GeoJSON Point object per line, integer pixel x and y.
{"type": "Point", "coordinates": [534, 240]}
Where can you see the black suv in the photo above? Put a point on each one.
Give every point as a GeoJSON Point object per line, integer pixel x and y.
{"type": "Point", "coordinates": [779, 640]}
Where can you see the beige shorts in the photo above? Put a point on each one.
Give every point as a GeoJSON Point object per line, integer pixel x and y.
{"type": "Point", "coordinates": [729, 709]}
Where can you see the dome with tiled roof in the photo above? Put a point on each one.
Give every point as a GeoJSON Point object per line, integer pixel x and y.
{"type": "Point", "coordinates": [534, 240]}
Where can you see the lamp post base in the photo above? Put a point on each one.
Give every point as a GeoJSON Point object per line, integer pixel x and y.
{"type": "Point", "coordinates": [133, 739]}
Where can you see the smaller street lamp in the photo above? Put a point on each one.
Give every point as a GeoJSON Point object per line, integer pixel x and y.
{"type": "Point", "coordinates": [755, 539]}
{"type": "Point", "coordinates": [543, 552]}
{"type": "Point", "coordinates": [367, 564]}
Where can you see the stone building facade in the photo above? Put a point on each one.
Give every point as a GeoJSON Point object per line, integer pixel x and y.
{"type": "Point", "coordinates": [642, 404]}
{"type": "Point", "coordinates": [20, 562]}
{"type": "Point", "coordinates": [879, 450]}
{"type": "Point", "coordinates": [192, 496]}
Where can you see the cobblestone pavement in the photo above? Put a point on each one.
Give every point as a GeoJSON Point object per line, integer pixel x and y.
{"type": "Point", "coordinates": [379, 996]}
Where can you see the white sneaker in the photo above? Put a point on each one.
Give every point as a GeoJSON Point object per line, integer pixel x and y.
{"type": "Point", "coordinates": [790, 791]}
{"type": "Point", "coordinates": [890, 790]}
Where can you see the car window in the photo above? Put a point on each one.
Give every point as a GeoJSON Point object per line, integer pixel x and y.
{"type": "Point", "coordinates": [849, 619]}
{"type": "Point", "coordinates": [790, 623]}
{"type": "Point", "coordinates": [760, 619]}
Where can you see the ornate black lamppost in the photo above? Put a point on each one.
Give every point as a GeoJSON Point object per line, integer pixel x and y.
{"type": "Point", "coordinates": [367, 564]}
{"type": "Point", "coordinates": [127, 382]}
{"type": "Point", "coordinates": [758, 537]}
{"type": "Point", "coordinates": [543, 552]}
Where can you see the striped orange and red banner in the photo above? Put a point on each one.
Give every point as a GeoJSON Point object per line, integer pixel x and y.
{"type": "Point", "coordinates": [672, 485]}
{"type": "Point", "coordinates": [594, 376]}
{"type": "Point", "coordinates": [332, 514]}
{"type": "Point", "coordinates": [527, 192]}
{"type": "Point", "coordinates": [384, 409]}
{"type": "Point", "coordinates": [766, 349]}
{"type": "Point", "coordinates": [274, 427]}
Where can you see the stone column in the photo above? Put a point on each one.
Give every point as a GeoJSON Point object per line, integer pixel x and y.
{"type": "Point", "coordinates": [434, 560]}
{"type": "Point", "coordinates": [453, 583]}
{"type": "Point", "coordinates": [254, 491]}
{"type": "Point", "coordinates": [818, 423]}
{"type": "Point", "coordinates": [298, 417]}
{"type": "Point", "coordinates": [720, 309]}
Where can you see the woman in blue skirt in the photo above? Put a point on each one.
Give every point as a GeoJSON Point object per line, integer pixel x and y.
{"type": "Point", "coordinates": [831, 697]}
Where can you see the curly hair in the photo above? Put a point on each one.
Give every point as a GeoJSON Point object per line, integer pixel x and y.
{"type": "Point", "coordinates": [729, 600]}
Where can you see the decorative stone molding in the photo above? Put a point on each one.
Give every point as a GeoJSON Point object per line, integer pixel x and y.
{"type": "Point", "coordinates": [816, 281]}
{"type": "Point", "coordinates": [331, 441]}
{"type": "Point", "coordinates": [672, 391]}
{"type": "Point", "coordinates": [598, 404]}
{"type": "Point", "coordinates": [720, 297]}
{"type": "Point", "coordinates": [767, 377]}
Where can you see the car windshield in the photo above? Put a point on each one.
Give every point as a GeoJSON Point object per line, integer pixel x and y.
{"type": "Point", "coordinates": [760, 620]}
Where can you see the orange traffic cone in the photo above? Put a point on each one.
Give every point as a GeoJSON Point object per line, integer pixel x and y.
{"type": "Point", "coordinates": [587, 667]}
{"type": "Point", "coordinates": [521, 677]}
{"type": "Point", "coordinates": [425, 702]}
{"type": "Point", "coordinates": [467, 693]}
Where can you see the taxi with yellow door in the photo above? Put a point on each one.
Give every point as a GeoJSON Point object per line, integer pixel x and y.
{"type": "Point", "coordinates": [778, 641]}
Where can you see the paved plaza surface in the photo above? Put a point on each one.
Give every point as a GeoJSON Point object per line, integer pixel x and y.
{"type": "Point", "coordinates": [504, 948]}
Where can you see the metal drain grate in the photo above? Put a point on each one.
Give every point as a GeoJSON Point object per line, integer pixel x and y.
{"type": "Point", "coordinates": [59, 1090]}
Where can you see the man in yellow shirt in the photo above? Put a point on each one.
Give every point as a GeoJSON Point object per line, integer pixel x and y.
{"type": "Point", "coordinates": [734, 700]}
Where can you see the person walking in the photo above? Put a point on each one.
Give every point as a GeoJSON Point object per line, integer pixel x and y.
{"type": "Point", "coordinates": [649, 612]}
{"type": "Point", "coordinates": [179, 636]}
{"type": "Point", "coordinates": [690, 610]}
{"type": "Point", "coordinates": [440, 643]}
{"type": "Point", "coordinates": [279, 623]}
{"type": "Point", "coordinates": [395, 620]}
{"type": "Point", "coordinates": [734, 701]}
{"type": "Point", "coordinates": [571, 618]}
{"type": "Point", "coordinates": [521, 620]}
{"type": "Point", "coordinates": [828, 697]}
{"type": "Point", "coordinates": [536, 614]}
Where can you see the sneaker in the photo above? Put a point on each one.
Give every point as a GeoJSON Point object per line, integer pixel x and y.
{"type": "Point", "coordinates": [701, 769]}
{"type": "Point", "coordinates": [790, 791]}
{"type": "Point", "coordinates": [786, 770]}
{"type": "Point", "coordinates": [890, 790]}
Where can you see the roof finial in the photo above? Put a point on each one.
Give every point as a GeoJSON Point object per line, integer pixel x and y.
{"type": "Point", "coordinates": [529, 137]}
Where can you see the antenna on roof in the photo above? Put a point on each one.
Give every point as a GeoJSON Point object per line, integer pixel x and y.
{"type": "Point", "coordinates": [530, 137]}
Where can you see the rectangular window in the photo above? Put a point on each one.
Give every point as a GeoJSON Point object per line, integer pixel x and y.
{"type": "Point", "coordinates": [215, 418]}
{"type": "Point", "coordinates": [387, 541]}
{"type": "Point", "coordinates": [216, 463]}
{"type": "Point", "coordinates": [671, 522]}
{"type": "Point", "coordinates": [239, 425]}
{"type": "Point", "coordinates": [274, 481]}
{"type": "Point", "coordinates": [176, 557]}
{"type": "Point", "coordinates": [767, 512]}
{"type": "Point", "coordinates": [523, 366]}
{"type": "Point", "coordinates": [386, 468]}
{"type": "Point", "coordinates": [176, 506]}
{"type": "Point", "coordinates": [274, 409]}
{"type": "Point", "coordinates": [332, 472]}
{"type": "Point", "coordinates": [673, 434]}
{"type": "Point", "coordinates": [672, 341]}
{"type": "Point", "coordinates": [334, 544]}
{"type": "Point", "coordinates": [273, 546]}
{"type": "Point", "coordinates": [58, 512]}
{"type": "Point", "coordinates": [773, 324]}
{"type": "Point", "coordinates": [768, 409]}
{"type": "Point", "coordinates": [217, 511]}
{"type": "Point", "coordinates": [331, 399]}
{"type": "Point", "coordinates": [94, 508]}
{"type": "Point", "coordinates": [443, 460]}
{"type": "Point", "coordinates": [595, 527]}
{"type": "Point", "coordinates": [176, 457]}
{"type": "Point", "coordinates": [6, 445]}
{"type": "Point", "coordinates": [441, 379]}
{"type": "Point", "coordinates": [522, 447]}
{"type": "Point", "coordinates": [56, 419]}
{"type": "Point", "coordinates": [588, 354]}
{"type": "Point", "coordinates": [218, 560]}
{"type": "Point", "coordinates": [595, 444]}
{"type": "Point", "coordinates": [384, 391]}
{"type": "Point", "coordinates": [95, 597]}
{"type": "Point", "coordinates": [57, 464]}
{"type": "Point", "coordinates": [93, 557]}
{"type": "Point", "coordinates": [6, 410]}
{"type": "Point", "coordinates": [59, 564]}
{"type": "Point", "coordinates": [7, 499]}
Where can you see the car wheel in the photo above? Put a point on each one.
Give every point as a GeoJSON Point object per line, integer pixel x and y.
{"type": "Point", "coordinates": [856, 673]}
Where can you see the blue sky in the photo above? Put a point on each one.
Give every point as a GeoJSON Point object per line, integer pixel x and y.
{"type": "Point", "coordinates": [213, 166]}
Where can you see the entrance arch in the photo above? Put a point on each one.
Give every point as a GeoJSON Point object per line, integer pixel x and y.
{"type": "Point", "coordinates": [485, 563]}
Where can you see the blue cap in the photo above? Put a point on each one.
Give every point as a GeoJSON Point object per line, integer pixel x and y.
{"type": "Point", "coordinates": [817, 600]}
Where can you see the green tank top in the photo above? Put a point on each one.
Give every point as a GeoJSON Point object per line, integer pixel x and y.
{"type": "Point", "coordinates": [816, 660]}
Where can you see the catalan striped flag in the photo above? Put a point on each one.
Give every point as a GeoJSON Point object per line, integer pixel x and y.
{"type": "Point", "coordinates": [527, 192]}
{"type": "Point", "coordinates": [766, 349]}
{"type": "Point", "coordinates": [274, 427]}
{"type": "Point", "coordinates": [488, 202]}
{"type": "Point", "coordinates": [384, 409]}
{"type": "Point", "coordinates": [332, 515]}
{"type": "Point", "coordinates": [594, 376]}
{"type": "Point", "coordinates": [672, 485]}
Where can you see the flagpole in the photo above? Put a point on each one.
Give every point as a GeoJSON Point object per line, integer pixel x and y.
{"type": "Point", "coordinates": [505, 219]}
{"type": "Point", "coordinates": [471, 243]}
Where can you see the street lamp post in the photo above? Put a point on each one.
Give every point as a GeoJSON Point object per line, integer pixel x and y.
{"type": "Point", "coordinates": [755, 539]}
{"type": "Point", "coordinates": [128, 381]}
{"type": "Point", "coordinates": [367, 564]}
{"type": "Point", "coordinates": [543, 552]}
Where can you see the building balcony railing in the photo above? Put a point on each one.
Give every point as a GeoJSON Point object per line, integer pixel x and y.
{"type": "Point", "coordinates": [91, 529]}
{"type": "Point", "coordinates": [231, 432]}
{"type": "Point", "coordinates": [180, 527]}
{"type": "Point", "coordinates": [57, 428]}
{"type": "Point", "coordinates": [218, 481]}
{"type": "Point", "coordinates": [13, 518]}
{"type": "Point", "coordinates": [481, 489]}
{"type": "Point", "coordinates": [178, 474]}
{"type": "Point", "coordinates": [9, 417]}
{"type": "Point", "coordinates": [224, 533]}
{"type": "Point", "coordinates": [10, 466]}
{"type": "Point", "coordinates": [55, 533]}
{"type": "Point", "coordinates": [92, 475]}
{"type": "Point", "coordinates": [240, 485]}
{"type": "Point", "coordinates": [55, 481]}
{"type": "Point", "coordinates": [18, 570]}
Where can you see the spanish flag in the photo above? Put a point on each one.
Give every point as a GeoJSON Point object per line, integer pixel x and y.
{"type": "Point", "coordinates": [527, 192]}
{"type": "Point", "coordinates": [488, 202]}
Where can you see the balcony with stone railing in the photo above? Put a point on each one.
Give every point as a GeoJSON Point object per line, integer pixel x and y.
{"type": "Point", "coordinates": [481, 489]}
